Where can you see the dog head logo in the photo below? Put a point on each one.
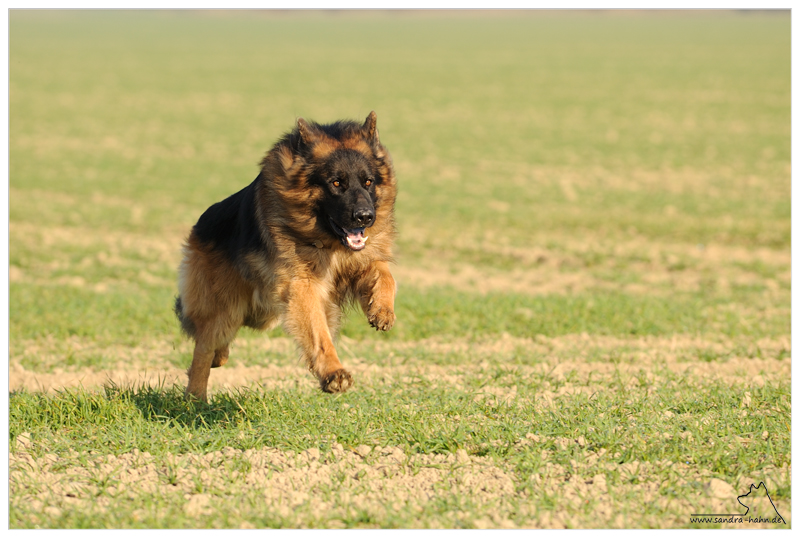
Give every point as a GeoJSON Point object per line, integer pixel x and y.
{"type": "Point", "coordinates": [758, 503]}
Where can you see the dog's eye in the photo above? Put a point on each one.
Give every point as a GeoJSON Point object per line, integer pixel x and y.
{"type": "Point", "coordinates": [337, 183]}
{"type": "Point", "coordinates": [368, 182]}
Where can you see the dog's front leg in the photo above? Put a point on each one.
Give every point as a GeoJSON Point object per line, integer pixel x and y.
{"type": "Point", "coordinates": [376, 293]}
{"type": "Point", "coordinates": [307, 321]}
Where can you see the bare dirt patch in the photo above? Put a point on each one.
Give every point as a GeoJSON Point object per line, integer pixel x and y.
{"type": "Point", "coordinates": [594, 263]}
{"type": "Point", "coordinates": [165, 247]}
{"type": "Point", "coordinates": [342, 482]}
{"type": "Point", "coordinates": [577, 357]}
{"type": "Point", "coordinates": [339, 485]}
{"type": "Point", "coordinates": [637, 265]}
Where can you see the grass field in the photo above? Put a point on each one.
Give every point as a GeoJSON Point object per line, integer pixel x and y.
{"type": "Point", "coordinates": [593, 263]}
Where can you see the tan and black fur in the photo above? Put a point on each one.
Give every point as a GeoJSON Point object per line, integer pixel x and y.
{"type": "Point", "coordinates": [292, 247]}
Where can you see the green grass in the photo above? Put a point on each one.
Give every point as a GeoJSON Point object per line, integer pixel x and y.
{"type": "Point", "coordinates": [157, 420]}
{"type": "Point", "coordinates": [126, 313]}
{"type": "Point", "coordinates": [624, 422]}
{"type": "Point", "coordinates": [130, 312]}
{"type": "Point", "coordinates": [593, 262]}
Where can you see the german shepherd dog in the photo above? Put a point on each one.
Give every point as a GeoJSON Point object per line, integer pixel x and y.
{"type": "Point", "coordinates": [310, 234]}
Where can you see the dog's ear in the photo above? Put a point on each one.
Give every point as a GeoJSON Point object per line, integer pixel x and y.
{"type": "Point", "coordinates": [370, 128]}
{"type": "Point", "coordinates": [307, 133]}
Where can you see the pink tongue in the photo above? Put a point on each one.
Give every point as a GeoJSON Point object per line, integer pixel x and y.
{"type": "Point", "coordinates": [356, 238]}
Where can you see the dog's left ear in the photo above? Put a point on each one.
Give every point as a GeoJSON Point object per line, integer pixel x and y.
{"type": "Point", "coordinates": [370, 128]}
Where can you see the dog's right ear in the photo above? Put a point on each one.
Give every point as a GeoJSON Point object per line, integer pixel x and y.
{"type": "Point", "coordinates": [307, 134]}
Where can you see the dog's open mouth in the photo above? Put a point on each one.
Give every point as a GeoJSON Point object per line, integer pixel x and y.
{"type": "Point", "coordinates": [353, 238]}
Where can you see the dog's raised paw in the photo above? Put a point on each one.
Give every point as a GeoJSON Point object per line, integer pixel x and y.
{"type": "Point", "coordinates": [382, 319]}
{"type": "Point", "coordinates": [338, 381]}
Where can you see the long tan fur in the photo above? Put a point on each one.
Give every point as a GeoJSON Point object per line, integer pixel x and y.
{"type": "Point", "coordinates": [303, 275]}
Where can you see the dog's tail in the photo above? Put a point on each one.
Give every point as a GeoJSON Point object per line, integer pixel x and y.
{"type": "Point", "coordinates": [187, 325]}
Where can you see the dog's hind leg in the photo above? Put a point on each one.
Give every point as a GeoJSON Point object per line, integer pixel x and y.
{"type": "Point", "coordinates": [210, 351]}
{"type": "Point", "coordinates": [199, 371]}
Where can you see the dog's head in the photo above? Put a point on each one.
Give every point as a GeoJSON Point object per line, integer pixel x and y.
{"type": "Point", "coordinates": [346, 175]}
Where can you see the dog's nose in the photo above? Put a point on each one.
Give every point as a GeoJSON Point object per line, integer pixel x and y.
{"type": "Point", "coordinates": [364, 216]}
